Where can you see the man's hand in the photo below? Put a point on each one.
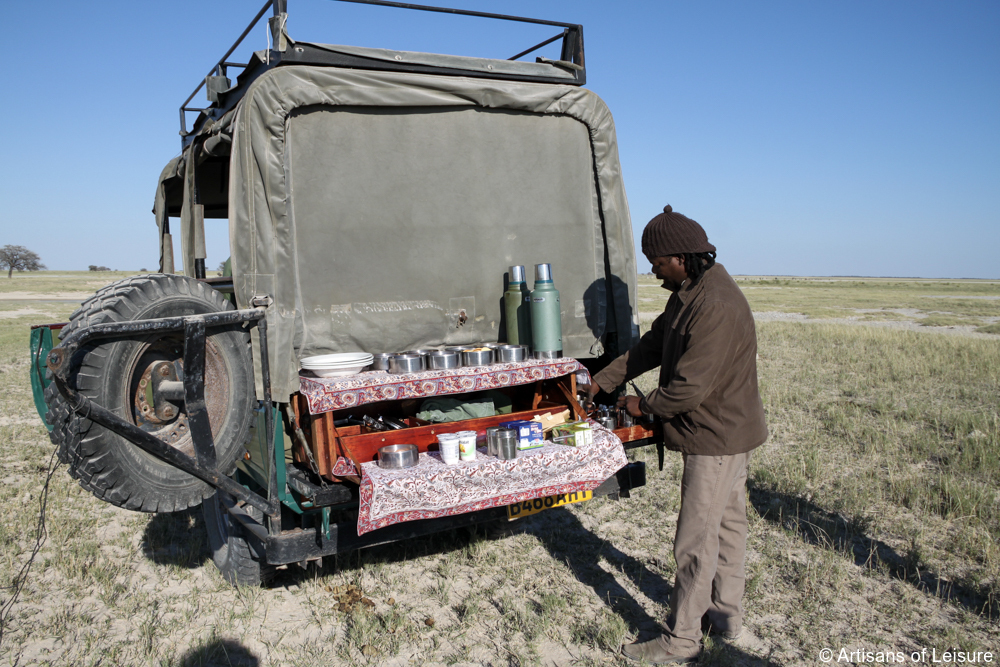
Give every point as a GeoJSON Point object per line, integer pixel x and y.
{"type": "Point", "coordinates": [589, 391]}
{"type": "Point", "coordinates": [631, 405]}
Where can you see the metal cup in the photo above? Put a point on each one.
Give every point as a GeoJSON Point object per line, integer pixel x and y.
{"type": "Point", "coordinates": [507, 438]}
{"type": "Point", "coordinates": [493, 441]}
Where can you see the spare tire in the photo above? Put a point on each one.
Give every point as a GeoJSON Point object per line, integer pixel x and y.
{"type": "Point", "coordinates": [114, 373]}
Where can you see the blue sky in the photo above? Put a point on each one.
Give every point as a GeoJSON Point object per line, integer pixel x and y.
{"type": "Point", "coordinates": [808, 138]}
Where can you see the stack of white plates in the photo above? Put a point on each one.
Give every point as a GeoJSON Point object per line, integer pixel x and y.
{"type": "Point", "coordinates": [337, 365]}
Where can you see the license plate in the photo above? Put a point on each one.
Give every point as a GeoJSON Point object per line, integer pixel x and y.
{"type": "Point", "coordinates": [517, 510]}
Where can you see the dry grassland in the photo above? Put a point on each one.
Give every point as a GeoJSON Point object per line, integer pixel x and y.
{"type": "Point", "coordinates": [874, 511]}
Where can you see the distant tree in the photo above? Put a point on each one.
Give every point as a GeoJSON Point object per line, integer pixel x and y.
{"type": "Point", "coordinates": [18, 257]}
{"type": "Point", "coordinates": [222, 267]}
{"type": "Point", "coordinates": [95, 267]}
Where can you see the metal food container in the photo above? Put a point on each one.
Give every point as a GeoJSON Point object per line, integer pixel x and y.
{"type": "Point", "coordinates": [405, 363]}
{"type": "Point", "coordinates": [397, 456]}
{"type": "Point", "coordinates": [477, 357]}
{"type": "Point", "coordinates": [508, 353]}
{"type": "Point", "coordinates": [459, 348]}
{"type": "Point", "coordinates": [380, 361]}
{"type": "Point", "coordinates": [443, 359]}
{"type": "Point", "coordinates": [423, 352]}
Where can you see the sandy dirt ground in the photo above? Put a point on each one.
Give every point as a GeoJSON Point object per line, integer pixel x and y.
{"type": "Point", "coordinates": [565, 587]}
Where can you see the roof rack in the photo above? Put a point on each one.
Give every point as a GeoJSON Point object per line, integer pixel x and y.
{"type": "Point", "coordinates": [570, 66]}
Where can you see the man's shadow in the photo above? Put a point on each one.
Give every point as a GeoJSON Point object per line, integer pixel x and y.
{"type": "Point", "coordinates": [219, 653]}
{"type": "Point", "coordinates": [569, 542]}
{"type": "Point", "coordinates": [177, 538]}
{"type": "Point", "coordinates": [818, 526]}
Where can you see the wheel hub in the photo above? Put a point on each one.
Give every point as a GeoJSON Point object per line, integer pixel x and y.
{"type": "Point", "coordinates": [158, 408]}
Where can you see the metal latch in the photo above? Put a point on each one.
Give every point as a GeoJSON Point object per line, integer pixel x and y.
{"type": "Point", "coordinates": [261, 301]}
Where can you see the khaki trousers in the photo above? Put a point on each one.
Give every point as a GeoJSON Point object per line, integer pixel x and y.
{"type": "Point", "coordinates": [710, 550]}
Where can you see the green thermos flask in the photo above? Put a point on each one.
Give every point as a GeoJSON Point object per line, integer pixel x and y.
{"type": "Point", "coordinates": [546, 321]}
{"type": "Point", "coordinates": [517, 307]}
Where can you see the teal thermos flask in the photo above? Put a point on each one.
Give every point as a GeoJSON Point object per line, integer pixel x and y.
{"type": "Point", "coordinates": [546, 322]}
{"type": "Point", "coordinates": [517, 307]}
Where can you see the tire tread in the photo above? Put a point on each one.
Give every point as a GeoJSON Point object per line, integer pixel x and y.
{"type": "Point", "coordinates": [83, 445]}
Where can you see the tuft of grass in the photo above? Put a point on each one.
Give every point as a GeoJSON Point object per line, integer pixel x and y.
{"type": "Point", "coordinates": [606, 631]}
{"type": "Point", "coordinates": [376, 635]}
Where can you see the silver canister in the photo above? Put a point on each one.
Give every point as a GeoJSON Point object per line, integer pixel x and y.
{"type": "Point", "coordinates": [477, 357]}
{"type": "Point", "coordinates": [380, 361]}
{"type": "Point", "coordinates": [509, 353]}
{"type": "Point", "coordinates": [406, 363]}
{"type": "Point", "coordinates": [493, 441]}
{"type": "Point", "coordinates": [507, 438]}
{"type": "Point", "coordinates": [608, 422]}
{"type": "Point", "coordinates": [442, 359]}
{"type": "Point", "coordinates": [423, 354]}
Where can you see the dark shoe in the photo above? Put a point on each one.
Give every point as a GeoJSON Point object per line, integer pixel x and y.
{"type": "Point", "coordinates": [654, 653]}
{"type": "Point", "coordinates": [729, 634]}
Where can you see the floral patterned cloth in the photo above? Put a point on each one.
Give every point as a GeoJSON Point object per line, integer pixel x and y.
{"type": "Point", "coordinates": [432, 489]}
{"type": "Point", "coordinates": [326, 394]}
{"type": "Point", "coordinates": [343, 468]}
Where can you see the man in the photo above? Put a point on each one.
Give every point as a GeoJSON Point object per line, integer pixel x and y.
{"type": "Point", "coordinates": [705, 344]}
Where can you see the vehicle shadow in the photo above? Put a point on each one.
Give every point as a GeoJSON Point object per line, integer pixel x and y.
{"type": "Point", "coordinates": [821, 527]}
{"type": "Point", "coordinates": [219, 653]}
{"type": "Point", "coordinates": [178, 538]}
{"type": "Point", "coordinates": [594, 561]}
{"type": "Point", "coordinates": [558, 530]}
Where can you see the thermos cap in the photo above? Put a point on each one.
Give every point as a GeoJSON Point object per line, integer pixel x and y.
{"type": "Point", "coordinates": [543, 272]}
{"type": "Point", "coordinates": [516, 274]}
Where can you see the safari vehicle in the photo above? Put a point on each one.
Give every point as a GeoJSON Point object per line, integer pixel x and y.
{"type": "Point", "coordinates": [375, 200]}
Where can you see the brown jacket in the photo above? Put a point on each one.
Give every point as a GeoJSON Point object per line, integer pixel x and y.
{"type": "Point", "coordinates": [705, 344]}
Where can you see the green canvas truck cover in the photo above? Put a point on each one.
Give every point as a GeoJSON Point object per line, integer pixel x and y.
{"type": "Point", "coordinates": [381, 210]}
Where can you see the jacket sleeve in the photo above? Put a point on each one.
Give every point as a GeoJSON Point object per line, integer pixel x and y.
{"type": "Point", "coordinates": [711, 337]}
{"type": "Point", "coordinates": [645, 355]}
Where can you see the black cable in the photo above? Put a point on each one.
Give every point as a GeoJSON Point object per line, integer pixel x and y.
{"type": "Point", "coordinates": [40, 534]}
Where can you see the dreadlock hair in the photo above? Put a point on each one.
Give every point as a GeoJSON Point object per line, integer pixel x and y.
{"type": "Point", "coordinates": [696, 263]}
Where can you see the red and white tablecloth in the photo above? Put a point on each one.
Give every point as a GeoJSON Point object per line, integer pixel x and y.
{"type": "Point", "coordinates": [326, 394]}
{"type": "Point", "coordinates": [432, 489]}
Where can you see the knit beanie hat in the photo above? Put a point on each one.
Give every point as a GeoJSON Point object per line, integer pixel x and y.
{"type": "Point", "coordinates": [671, 233]}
